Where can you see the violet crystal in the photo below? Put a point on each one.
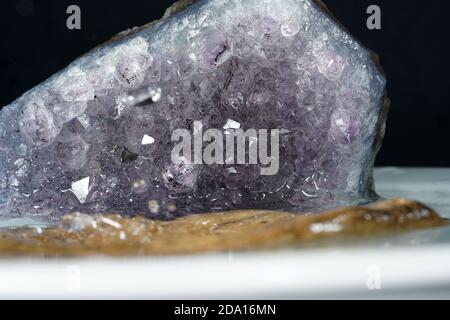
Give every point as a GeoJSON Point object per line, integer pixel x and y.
{"type": "Point", "coordinates": [96, 137]}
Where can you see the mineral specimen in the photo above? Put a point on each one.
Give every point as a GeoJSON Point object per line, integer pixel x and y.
{"type": "Point", "coordinates": [99, 136]}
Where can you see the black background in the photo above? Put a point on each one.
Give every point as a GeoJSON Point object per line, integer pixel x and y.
{"type": "Point", "coordinates": [413, 45]}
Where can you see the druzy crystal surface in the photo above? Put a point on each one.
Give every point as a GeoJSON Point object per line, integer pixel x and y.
{"type": "Point", "coordinates": [96, 137]}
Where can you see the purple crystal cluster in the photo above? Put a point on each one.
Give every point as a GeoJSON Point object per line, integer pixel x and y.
{"type": "Point", "coordinates": [96, 137]}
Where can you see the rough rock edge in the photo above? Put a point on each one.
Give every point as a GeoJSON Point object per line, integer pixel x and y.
{"type": "Point", "coordinates": [170, 11]}
{"type": "Point", "coordinates": [177, 7]}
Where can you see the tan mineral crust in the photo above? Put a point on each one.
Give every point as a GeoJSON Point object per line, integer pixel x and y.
{"type": "Point", "coordinates": [82, 235]}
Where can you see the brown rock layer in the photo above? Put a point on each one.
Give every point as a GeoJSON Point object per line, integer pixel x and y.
{"type": "Point", "coordinates": [80, 235]}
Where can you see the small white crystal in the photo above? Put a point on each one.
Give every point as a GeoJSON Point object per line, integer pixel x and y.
{"type": "Point", "coordinates": [231, 124]}
{"type": "Point", "coordinates": [156, 95]}
{"type": "Point", "coordinates": [80, 189]}
{"type": "Point", "coordinates": [325, 228]}
{"type": "Point", "coordinates": [153, 206]}
{"type": "Point", "coordinates": [290, 28]}
{"type": "Point", "coordinates": [78, 221]}
{"type": "Point", "coordinates": [111, 222]}
{"type": "Point", "coordinates": [146, 140]}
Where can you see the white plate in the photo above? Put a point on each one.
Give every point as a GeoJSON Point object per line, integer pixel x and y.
{"type": "Point", "coordinates": [408, 265]}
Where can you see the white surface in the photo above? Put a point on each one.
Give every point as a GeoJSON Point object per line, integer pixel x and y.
{"type": "Point", "coordinates": [407, 265]}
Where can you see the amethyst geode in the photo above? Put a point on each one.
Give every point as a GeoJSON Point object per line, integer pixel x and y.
{"type": "Point", "coordinates": [98, 136]}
